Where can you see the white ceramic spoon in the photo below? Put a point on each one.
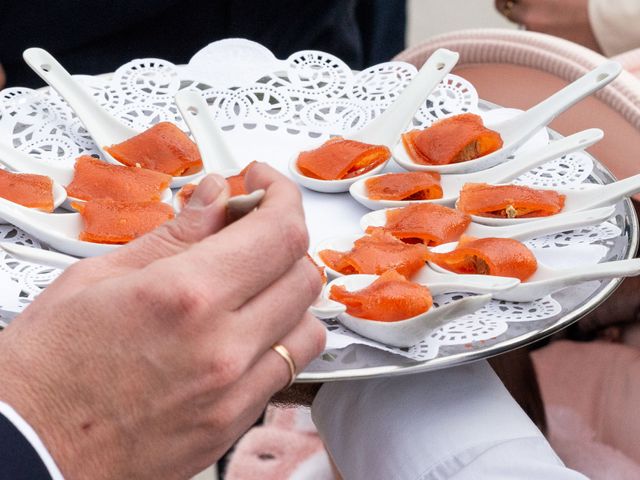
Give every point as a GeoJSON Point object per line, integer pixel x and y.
{"type": "Point", "coordinates": [105, 129]}
{"type": "Point", "coordinates": [60, 174]}
{"type": "Point", "coordinates": [387, 127]}
{"type": "Point", "coordinates": [215, 153]}
{"type": "Point", "coordinates": [60, 230]}
{"type": "Point", "coordinates": [591, 196]}
{"type": "Point", "coordinates": [426, 275]}
{"type": "Point", "coordinates": [452, 184]}
{"type": "Point", "coordinates": [41, 257]}
{"type": "Point", "coordinates": [542, 226]}
{"type": "Point", "coordinates": [402, 333]}
{"type": "Point", "coordinates": [518, 130]}
{"type": "Point", "coordinates": [546, 280]}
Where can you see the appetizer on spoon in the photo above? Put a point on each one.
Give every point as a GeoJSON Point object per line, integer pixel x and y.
{"type": "Point", "coordinates": [446, 189]}
{"type": "Point", "coordinates": [389, 308]}
{"type": "Point", "coordinates": [513, 204]}
{"type": "Point", "coordinates": [434, 225]}
{"type": "Point", "coordinates": [463, 144]}
{"type": "Point", "coordinates": [216, 156]}
{"type": "Point", "coordinates": [507, 257]}
{"type": "Point", "coordinates": [163, 147]}
{"type": "Point", "coordinates": [334, 166]}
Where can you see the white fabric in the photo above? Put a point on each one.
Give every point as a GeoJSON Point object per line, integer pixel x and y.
{"type": "Point", "coordinates": [32, 437]}
{"type": "Point", "coordinates": [615, 24]}
{"type": "Point", "coordinates": [458, 424]}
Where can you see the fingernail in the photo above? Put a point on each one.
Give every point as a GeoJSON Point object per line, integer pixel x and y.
{"type": "Point", "coordinates": [208, 190]}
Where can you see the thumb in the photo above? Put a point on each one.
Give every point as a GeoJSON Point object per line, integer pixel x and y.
{"type": "Point", "coordinates": [203, 215]}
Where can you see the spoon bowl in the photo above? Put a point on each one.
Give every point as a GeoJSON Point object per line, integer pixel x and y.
{"type": "Point", "coordinates": [387, 127]}
{"type": "Point", "coordinates": [543, 226]}
{"type": "Point", "coordinates": [102, 126]}
{"type": "Point", "coordinates": [588, 197]}
{"type": "Point", "coordinates": [522, 162]}
{"type": "Point", "coordinates": [401, 333]}
{"type": "Point", "coordinates": [519, 129]}
{"type": "Point", "coordinates": [546, 280]}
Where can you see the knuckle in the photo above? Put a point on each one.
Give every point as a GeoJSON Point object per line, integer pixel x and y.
{"type": "Point", "coordinates": [225, 367]}
{"type": "Point", "coordinates": [295, 234]}
{"type": "Point", "coordinates": [189, 300]}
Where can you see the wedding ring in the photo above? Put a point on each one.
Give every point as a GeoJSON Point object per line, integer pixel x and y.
{"type": "Point", "coordinates": [286, 356]}
{"type": "Point", "coordinates": [508, 7]}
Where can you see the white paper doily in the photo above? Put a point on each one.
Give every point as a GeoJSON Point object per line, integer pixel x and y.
{"type": "Point", "coordinates": [281, 106]}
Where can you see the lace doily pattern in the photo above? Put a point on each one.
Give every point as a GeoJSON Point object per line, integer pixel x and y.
{"type": "Point", "coordinates": [308, 94]}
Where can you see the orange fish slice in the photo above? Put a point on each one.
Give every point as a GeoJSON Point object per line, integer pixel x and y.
{"type": "Point", "coordinates": [320, 269]}
{"type": "Point", "coordinates": [390, 298]}
{"type": "Point", "coordinates": [163, 148]}
{"type": "Point", "coordinates": [94, 179]}
{"type": "Point", "coordinates": [33, 191]}
{"type": "Point", "coordinates": [376, 254]}
{"type": "Point", "coordinates": [338, 159]}
{"type": "Point", "coordinates": [502, 257]}
{"type": "Point", "coordinates": [405, 186]}
{"type": "Point", "coordinates": [106, 221]}
{"type": "Point", "coordinates": [455, 139]}
{"type": "Point", "coordinates": [425, 223]}
{"type": "Point", "coordinates": [509, 201]}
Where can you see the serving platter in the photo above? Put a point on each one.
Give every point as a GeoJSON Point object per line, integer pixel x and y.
{"type": "Point", "coordinates": [270, 109]}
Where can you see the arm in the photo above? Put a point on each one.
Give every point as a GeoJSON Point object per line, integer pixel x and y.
{"type": "Point", "coordinates": [459, 423]}
{"type": "Point", "coordinates": [151, 361]}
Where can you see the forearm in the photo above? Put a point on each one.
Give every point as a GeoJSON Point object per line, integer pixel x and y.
{"type": "Point", "coordinates": [455, 423]}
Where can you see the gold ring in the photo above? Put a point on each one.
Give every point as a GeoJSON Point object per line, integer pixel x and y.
{"type": "Point", "coordinates": [284, 353]}
{"type": "Point", "coordinates": [508, 7]}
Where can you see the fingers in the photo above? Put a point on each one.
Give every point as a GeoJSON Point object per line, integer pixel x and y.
{"type": "Point", "coordinates": [270, 373]}
{"type": "Point", "coordinates": [204, 215]}
{"type": "Point", "coordinates": [249, 255]}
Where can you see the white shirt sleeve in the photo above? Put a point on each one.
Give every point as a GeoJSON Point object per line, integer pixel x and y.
{"type": "Point", "coordinates": [455, 424]}
{"type": "Point", "coordinates": [32, 437]}
{"type": "Point", "coordinates": [615, 24]}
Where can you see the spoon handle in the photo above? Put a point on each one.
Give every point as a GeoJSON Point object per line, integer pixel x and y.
{"type": "Point", "coordinates": [214, 151]}
{"type": "Point", "coordinates": [36, 255]}
{"type": "Point", "coordinates": [439, 283]}
{"type": "Point", "coordinates": [606, 194]}
{"type": "Point", "coordinates": [104, 128]}
{"type": "Point", "coordinates": [599, 271]}
{"type": "Point", "coordinates": [20, 162]}
{"type": "Point", "coordinates": [387, 127]}
{"type": "Point", "coordinates": [543, 113]}
{"type": "Point", "coordinates": [558, 223]}
{"type": "Point", "coordinates": [524, 162]}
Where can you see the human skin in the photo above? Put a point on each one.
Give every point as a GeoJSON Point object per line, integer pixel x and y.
{"type": "Point", "coordinates": [568, 19]}
{"type": "Point", "coordinates": [151, 361]}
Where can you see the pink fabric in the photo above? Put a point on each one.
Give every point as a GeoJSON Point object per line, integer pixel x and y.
{"type": "Point", "coordinates": [286, 447]}
{"type": "Point", "coordinates": [591, 393]}
{"type": "Point", "coordinates": [631, 61]}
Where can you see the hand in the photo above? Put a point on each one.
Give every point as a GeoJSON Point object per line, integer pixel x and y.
{"type": "Point", "coordinates": [568, 19]}
{"type": "Point", "coordinates": [151, 361]}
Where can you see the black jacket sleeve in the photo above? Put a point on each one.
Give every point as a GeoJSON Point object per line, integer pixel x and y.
{"type": "Point", "coordinates": [18, 459]}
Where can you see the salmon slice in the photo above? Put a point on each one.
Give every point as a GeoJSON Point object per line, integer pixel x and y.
{"type": "Point", "coordinates": [390, 298]}
{"type": "Point", "coordinates": [236, 186]}
{"type": "Point", "coordinates": [338, 158]}
{"type": "Point", "coordinates": [503, 257]}
{"type": "Point", "coordinates": [163, 148]}
{"type": "Point", "coordinates": [106, 221]}
{"type": "Point", "coordinates": [405, 186]}
{"type": "Point", "coordinates": [320, 269]}
{"type": "Point", "coordinates": [425, 223]}
{"type": "Point", "coordinates": [33, 191]}
{"type": "Point", "coordinates": [376, 254]}
{"type": "Point", "coordinates": [94, 179]}
{"type": "Point", "coordinates": [509, 201]}
{"type": "Point", "coordinates": [455, 139]}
